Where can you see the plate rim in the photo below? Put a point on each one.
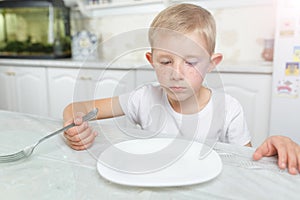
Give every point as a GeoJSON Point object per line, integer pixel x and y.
{"type": "Point", "coordinates": [150, 184]}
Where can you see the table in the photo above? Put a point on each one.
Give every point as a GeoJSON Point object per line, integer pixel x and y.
{"type": "Point", "coordinates": [55, 171]}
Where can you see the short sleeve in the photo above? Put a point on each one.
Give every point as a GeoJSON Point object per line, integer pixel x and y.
{"type": "Point", "coordinates": [130, 103]}
{"type": "Point", "coordinates": [237, 131]}
{"type": "Point", "coordinates": [138, 104]}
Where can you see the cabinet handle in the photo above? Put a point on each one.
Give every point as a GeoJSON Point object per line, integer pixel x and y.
{"type": "Point", "coordinates": [10, 73]}
{"type": "Point", "coordinates": [85, 78]}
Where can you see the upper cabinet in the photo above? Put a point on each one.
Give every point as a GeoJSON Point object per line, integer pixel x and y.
{"type": "Point", "coordinates": [120, 7]}
{"type": "Point", "coordinates": [114, 7]}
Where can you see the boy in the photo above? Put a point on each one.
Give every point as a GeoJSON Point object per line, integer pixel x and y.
{"type": "Point", "coordinates": [182, 39]}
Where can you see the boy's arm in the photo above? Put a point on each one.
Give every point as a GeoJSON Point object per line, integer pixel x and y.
{"type": "Point", "coordinates": [108, 108]}
{"type": "Point", "coordinates": [82, 135]}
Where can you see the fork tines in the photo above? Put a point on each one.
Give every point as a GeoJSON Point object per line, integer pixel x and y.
{"type": "Point", "coordinates": [12, 157]}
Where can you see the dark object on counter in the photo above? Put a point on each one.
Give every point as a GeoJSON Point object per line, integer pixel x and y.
{"type": "Point", "coordinates": [37, 29]}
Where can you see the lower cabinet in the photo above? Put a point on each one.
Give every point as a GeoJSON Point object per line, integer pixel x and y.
{"type": "Point", "coordinates": [253, 91]}
{"type": "Point", "coordinates": [145, 76]}
{"type": "Point", "coordinates": [61, 84]}
{"type": "Point", "coordinates": [24, 89]}
{"type": "Point", "coordinates": [69, 85]}
{"type": "Point", "coordinates": [7, 88]}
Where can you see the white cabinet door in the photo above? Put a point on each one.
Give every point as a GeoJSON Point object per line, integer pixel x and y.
{"type": "Point", "coordinates": [71, 85]}
{"type": "Point", "coordinates": [23, 89]}
{"type": "Point", "coordinates": [31, 90]}
{"type": "Point", "coordinates": [7, 88]}
{"type": "Point", "coordinates": [108, 83]}
{"type": "Point", "coordinates": [61, 84]}
{"type": "Point", "coordinates": [145, 76]}
{"type": "Point", "coordinates": [253, 91]}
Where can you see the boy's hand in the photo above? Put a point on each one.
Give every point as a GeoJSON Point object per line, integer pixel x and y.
{"type": "Point", "coordinates": [81, 136]}
{"type": "Point", "coordinates": [288, 152]}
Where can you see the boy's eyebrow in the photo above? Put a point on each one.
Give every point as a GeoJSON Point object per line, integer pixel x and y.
{"type": "Point", "coordinates": [167, 53]}
{"type": "Point", "coordinates": [190, 57]}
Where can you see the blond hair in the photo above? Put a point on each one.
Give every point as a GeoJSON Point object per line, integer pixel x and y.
{"type": "Point", "coordinates": [185, 18]}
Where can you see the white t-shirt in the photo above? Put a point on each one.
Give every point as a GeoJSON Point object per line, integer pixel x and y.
{"type": "Point", "coordinates": [149, 107]}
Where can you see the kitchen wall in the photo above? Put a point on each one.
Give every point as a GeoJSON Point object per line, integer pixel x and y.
{"type": "Point", "coordinates": [240, 31]}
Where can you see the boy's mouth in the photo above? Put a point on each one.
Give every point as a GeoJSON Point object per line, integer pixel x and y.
{"type": "Point", "coordinates": [177, 88]}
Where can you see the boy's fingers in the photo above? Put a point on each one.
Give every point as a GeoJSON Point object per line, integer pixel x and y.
{"type": "Point", "coordinates": [78, 118]}
{"type": "Point", "coordinates": [80, 136]}
{"type": "Point", "coordinates": [77, 129]}
{"type": "Point", "coordinates": [298, 158]}
{"type": "Point", "coordinates": [78, 122]}
{"type": "Point", "coordinates": [293, 159]}
{"type": "Point", "coordinates": [84, 143]}
{"type": "Point", "coordinates": [261, 151]}
{"type": "Point", "coordinates": [81, 147]}
{"type": "Point", "coordinates": [282, 158]}
{"type": "Point", "coordinates": [292, 164]}
{"type": "Point", "coordinates": [257, 155]}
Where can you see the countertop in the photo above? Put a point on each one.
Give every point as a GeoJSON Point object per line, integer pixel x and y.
{"type": "Point", "coordinates": [54, 171]}
{"type": "Point", "coordinates": [225, 67]}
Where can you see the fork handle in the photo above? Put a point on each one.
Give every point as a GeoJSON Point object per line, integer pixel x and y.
{"type": "Point", "coordinates": [91, 115]}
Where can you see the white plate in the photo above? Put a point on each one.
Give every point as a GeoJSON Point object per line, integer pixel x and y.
{"type": "Point", "coordinates": [187, 169]}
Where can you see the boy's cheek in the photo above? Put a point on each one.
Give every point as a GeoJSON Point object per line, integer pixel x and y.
{"type": "Point", "coordinates": [202, 69]}
{"type": "Point", "coordinates": [161, 76]}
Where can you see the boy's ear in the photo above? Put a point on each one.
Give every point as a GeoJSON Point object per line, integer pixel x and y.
{"type": "Point", "coordinates": [215, 60]}
{"type": "Point", "coordinates": [149, 57]}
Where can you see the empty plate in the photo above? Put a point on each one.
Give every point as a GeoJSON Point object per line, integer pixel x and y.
{"type": "Point", "coordinates": [158, 162]}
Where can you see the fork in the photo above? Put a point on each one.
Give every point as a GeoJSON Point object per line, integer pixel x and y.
{"type": "Point", "coordinates": [27, 151]}
{"type": "Point", "coordinates": [243, 161]}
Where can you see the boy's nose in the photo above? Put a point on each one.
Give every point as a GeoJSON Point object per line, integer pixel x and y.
{"type": "Point", "coordinates": [177, 72]}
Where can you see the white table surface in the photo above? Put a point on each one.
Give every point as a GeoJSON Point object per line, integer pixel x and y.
{"type": "Point", "coordinates": [55, 171]}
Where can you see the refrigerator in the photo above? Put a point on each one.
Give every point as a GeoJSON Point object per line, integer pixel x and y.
{"type": "Point", "coordinates": [285, 100]}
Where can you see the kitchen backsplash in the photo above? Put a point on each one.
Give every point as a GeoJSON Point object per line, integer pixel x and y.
{"type": "Point", "coordinates": [240, 32]}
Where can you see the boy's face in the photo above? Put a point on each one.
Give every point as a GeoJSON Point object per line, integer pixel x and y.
{"type": "Point", "coordinates": [180, 62]}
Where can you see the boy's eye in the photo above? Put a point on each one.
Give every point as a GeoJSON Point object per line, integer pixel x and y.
{"type": "Point", "coordinates": [165, 62]}
{"type": "Point", "coordinates": [192, 63]}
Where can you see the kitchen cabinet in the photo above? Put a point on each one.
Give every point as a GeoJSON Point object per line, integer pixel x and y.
{"type": "Point", "coordinates": [23, 89]}
{"type": "Point", "coordinates": [145, 76]}
{"type": "Point", "coordinates": [215, 4]}
{"type": "Point", "coordinates": [253, 91]}
{"type": "Point", "coordinates": [67, 85]}
{"type": "Point", "coordinates": [121, 7]}
{"type": "Point", "coordinates": [155, 6]}
{"type": "Point", "coordinates": [6, 88]}
{"type": "Point", "coordinates": [61, 84]}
